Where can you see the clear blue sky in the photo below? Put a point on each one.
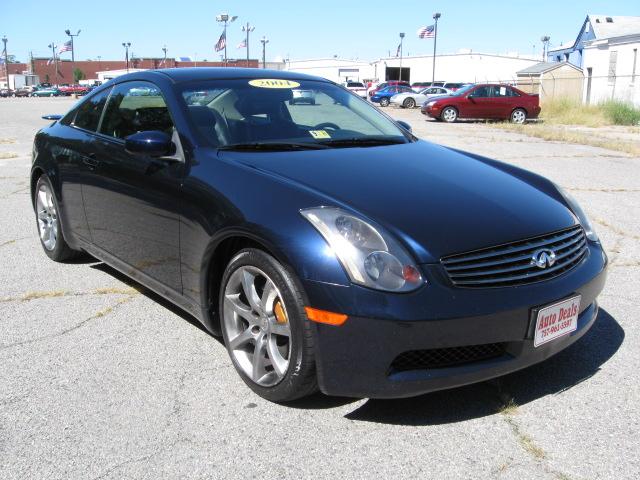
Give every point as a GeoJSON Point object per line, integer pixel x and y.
{"type": "Point", "coordinates": [303, 29]}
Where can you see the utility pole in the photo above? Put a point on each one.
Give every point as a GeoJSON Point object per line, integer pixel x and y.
{"type": "Point", "coordinates": [225, 19]}
{"type": "Point", "coordinates": [436, 16]}
{"type": "Point", "coordinates": [73, 54]}
{"type": "Point", "coordinates": [264, 40]}
{"type": "Point", "coordinates": [126, 46]}
{"type": "Point", "coordinates": [545, 46]}
{"type": "Point", "coordinates": [164, 60]}
{"type": "Point", "coordinates": [6, 59]}
{"type": "Point", "coordinates": [248, 29]}
{"type": "Point", "coordinates": [401, 39]}
{"type": "Point", "coordinates": [53, 47]}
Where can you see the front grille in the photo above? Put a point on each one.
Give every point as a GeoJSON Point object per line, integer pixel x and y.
{"type": "Point", "coordinates": [446, 357]}
{"type": "Point", "coordinates": [511, 264]}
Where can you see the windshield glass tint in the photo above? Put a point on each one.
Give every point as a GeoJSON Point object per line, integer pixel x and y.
{"type": "Point", "coordinates": [463, 90]}
{"type": "Point", "coordinates": [245, 111]}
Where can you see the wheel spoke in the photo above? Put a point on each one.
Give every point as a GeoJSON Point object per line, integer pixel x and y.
{"type": "Point", "coordinates": [42, 197]}
{"type": "Point", "coordinates": [249, 287]}
{"type": "Point", "coordinates": [280, 329]}
{"type": "Point", "coordinates": [258, 360]}
{"type": "Point", "coordinates": [233, 302]}
{"type": "Point", "coordinates": [42, 214]}
{"type": "Point", "coordinates": [277, 361]}
{"type": "Point", "coordinates": [242, 339]}
{"type": "Point", "coordinates": [268, 296]}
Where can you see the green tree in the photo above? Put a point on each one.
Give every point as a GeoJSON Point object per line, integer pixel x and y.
{"type": "Point", "coordinates": [78, 75]}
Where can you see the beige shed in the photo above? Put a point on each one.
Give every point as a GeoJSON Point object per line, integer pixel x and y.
{"type": "Point", "coordinates": [552, 80]}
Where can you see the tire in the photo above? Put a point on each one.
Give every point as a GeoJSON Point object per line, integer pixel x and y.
{"type": "Point", "coordinates": [519, 116]}
{"type": "Point", "coordinates": [284, 369]}
{"type": "Point", "coordinates": [409, 103]}
{"type": "Point", "coordinates": [384, 102]}
{"type": "Point", "coordinates": [48, 222]}
{"type": "Point", "coordinates": [449, 114]}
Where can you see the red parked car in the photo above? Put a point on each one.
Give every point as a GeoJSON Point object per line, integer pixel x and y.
{"type": "Point", "coordinates": [72, 89]}
{"type": "Point", "coordinates": [490, 101]}
{"type": "Point", "coordinates": [388, 83]}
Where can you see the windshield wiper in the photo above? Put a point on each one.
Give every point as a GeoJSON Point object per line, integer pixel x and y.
{"type": "Point", "coordinates": [274, 146]}
{"type": "Point", "coordinates": [363, 142]}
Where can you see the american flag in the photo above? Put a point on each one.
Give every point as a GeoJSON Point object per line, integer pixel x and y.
{"type": "Point", "coordinates": [222, 42]}
{"type": "Point", "coordinates": [242, 44]}
{"type": "Point", "coordinates": [427, 32]}
{"type": "Point", "coordinates": [66, 47]}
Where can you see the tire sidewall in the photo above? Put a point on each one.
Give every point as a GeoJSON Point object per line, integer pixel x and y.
{"type": "Point", "coordinates": [301, 363]}
{"type": "Point", "coordinates": [59, 250]}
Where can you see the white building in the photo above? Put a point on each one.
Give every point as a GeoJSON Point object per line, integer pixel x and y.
{"type": "Point", "coordinates": [466, 66]}
{"type": "Point", "coordinates": [106, 75]}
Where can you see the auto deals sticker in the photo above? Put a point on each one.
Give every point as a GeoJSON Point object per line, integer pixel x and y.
{"type": "Point", "coordinates": [273, 83]}
{"type": "Point", "coordinates": [319, 134]}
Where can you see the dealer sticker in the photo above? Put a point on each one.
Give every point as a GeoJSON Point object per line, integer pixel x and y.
{"type": "Point", "coordinates": [273, 83]}
{"type": "Point", "coordinates": [557, 320]}
{"type": "Point", "coordinates": [319, 134]}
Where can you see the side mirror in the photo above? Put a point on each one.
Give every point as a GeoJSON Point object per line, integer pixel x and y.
{"type": "Point", "coordinates": [404, 125]}
{"type": "Point", "coordinates": [152, 143]}
{"type": "Point", "coordinates": [52, 117]}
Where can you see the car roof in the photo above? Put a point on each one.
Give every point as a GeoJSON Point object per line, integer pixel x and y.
{"type": "Point", "coordinates": [178, 75]}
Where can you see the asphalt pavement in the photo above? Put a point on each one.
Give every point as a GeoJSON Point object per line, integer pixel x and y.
{"type": "Point", "coordinates": [100, 379]}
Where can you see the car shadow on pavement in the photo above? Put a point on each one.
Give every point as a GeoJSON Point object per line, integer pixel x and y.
{"type": "Point", "coordinates": [561, 372]}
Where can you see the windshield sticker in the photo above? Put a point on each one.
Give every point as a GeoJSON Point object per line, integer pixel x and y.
{"type": "Point", "coordinates": [319, 134]}
{"type": "Point", "coordinates": [273, 83]}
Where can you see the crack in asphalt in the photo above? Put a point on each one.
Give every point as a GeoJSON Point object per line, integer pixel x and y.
{"type": "Point", "coordinates": [101, 313]}
{"type": "Point", "coordinates": [37, 295]}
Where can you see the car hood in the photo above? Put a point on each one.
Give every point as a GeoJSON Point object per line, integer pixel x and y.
{"type": "Point", "coordinates": [437, 200]}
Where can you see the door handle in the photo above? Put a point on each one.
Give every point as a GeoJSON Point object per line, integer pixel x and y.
{"type": "Point", "coordinates": [90, 160]}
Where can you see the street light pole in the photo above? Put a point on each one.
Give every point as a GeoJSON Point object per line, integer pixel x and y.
{"type": "Point", "coordinates": [164, 60]}
{"type": "Point", "coordinates": [73, 53]}
{"type": "Point", "coordinates": [401, 39]}
{"type": "Point", "coordinates": [53, 47]}
{"type": "Point", "coordinates": [264, 40]}
{"type": "Point", "coordinates": [225, 19]}
{"type": "Point", "coordinates": [126, 46]}
{"type": "Point", "coordinates": [248, 29]}
{"type": "Point", "coordinates": [436, 16]}
{"type": "Point", "coordinates": [6, 59]}
{"type": "Point", "coordinates": [545, 46]}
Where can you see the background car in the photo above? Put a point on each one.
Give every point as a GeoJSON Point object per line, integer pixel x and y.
{"type": "Point", "coordinates": [356, 87]}
{"type": "Point", "coordinates": [386, 84]}
{"type": "Point", "coordinates": [46, 92]}
{"type": "Point", "coordinates": [383, 97]}
{"type": "Point", "coordinates": [22, 92]}
{"type": "Point", "coordinates": [411, 99]}
{"type": "Point", "coordinates": [72, 89]}
{"type": "Point", "coordinates": [485, 101]}
{"type": "Point", "coordinates": [6, 92]}
{"type": "Point", "coordinates": [419, 86]}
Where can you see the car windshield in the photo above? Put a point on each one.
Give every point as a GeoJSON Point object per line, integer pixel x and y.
{"type": "Point", "coordinates": [284, 114]}
{"type": "Point", "coordinates": [462, 91]}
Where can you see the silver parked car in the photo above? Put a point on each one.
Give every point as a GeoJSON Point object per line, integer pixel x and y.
{"type": "Point", "coordinates": [411, 99]}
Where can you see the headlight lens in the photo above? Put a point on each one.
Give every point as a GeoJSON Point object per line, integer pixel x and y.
{"type": "Point", "coordinates": [370, 256]}
{"type": "Point", "coordinates": [582, 217]}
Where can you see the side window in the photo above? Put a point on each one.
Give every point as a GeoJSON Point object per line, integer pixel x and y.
{"type": "Point", "coordinates": [135, 107]}
{"type": "Point", "coordinates": [482, 92]}
{"type": "Point", "coordinates": [88, 115]}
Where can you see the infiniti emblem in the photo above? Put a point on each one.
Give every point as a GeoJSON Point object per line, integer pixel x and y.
{"type": "Point", "coordinates": [543, 258]}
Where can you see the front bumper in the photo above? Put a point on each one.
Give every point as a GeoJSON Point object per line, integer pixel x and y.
{"type": "Point", "coordinates": [356, 359]}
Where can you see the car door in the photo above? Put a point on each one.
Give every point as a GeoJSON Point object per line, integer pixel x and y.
{"type": "Point", "coordinates": [502, 101]}
{"type": "Point", "coordinates": [478, 103]}
{"type": "Point", "coordinates": [132, 201]}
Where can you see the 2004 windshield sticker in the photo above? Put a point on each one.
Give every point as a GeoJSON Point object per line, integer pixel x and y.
{"type": "Point", "coordinates": [273, 83]}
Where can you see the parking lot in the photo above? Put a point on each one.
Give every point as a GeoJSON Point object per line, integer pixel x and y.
{"type": "Point", "coordinates": [101, 379]}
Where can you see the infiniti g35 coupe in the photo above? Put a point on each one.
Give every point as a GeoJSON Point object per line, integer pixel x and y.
{"type": "Point", "coordinates": [329, 247]}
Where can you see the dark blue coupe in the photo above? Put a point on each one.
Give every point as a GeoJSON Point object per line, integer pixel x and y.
{"type": "Point", "coordinates": [330, 247]}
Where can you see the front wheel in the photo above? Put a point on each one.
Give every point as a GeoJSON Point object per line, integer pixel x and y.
{"type": "Point", "coordinates": [265, 327]}
{"type": "Point", "coordinates": [409, 103]}
{"type": "Point", "coordinates": [449, 115]}
{"type": "Point", "coordinates": [518, 116]}
{"type": "Point", "coordinates": [384, 102]}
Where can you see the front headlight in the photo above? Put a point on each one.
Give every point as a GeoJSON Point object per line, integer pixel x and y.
{"type": "Point", "coordinates": [582, 217]}
{"type": "Point", "coordinates": [370, 256]}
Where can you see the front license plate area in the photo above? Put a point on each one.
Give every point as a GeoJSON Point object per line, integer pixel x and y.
{"type": "Point", "coordinates": [556, 320]}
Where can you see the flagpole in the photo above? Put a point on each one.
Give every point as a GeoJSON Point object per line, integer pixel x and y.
{"type": "Point", "coordinates": [6, 59]}
{"type": "Point", "coordinates": [52, 46]}
{"type": "Point", "coordinates": [401, 38]}
{"type": "Point", "coordinates": [436, 16]}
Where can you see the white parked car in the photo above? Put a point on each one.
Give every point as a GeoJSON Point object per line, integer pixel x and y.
{"type": "Point", "coordinates": [411, 100]}
{"type": "Point", "coordinates": [358, 88]}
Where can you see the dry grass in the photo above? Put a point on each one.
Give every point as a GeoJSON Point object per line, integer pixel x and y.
{"type": "Point", "coordinates": [560, 133]}
{"type": "Point", "coordinates": [564, 111]}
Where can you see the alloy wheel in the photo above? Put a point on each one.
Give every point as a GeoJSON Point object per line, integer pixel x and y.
{"type": "Point", "coordinates": [384, 102]}
{"type": "Point", "coordinates": [449, 115]}
{"type": "Point", "coordinates": [47, 217]}
{"type": "Point", "coordinates": [518, 116]}
{"type": "Point", "coordinates": [257, 326]}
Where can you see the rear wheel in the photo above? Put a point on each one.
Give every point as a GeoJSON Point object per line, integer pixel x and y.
{"type": "Point", "coordinates": [518, 116]}
{"type": "Point", "coordinates": [48, 221]}
{"type": "Point", "coordinates": [384, 102]}
{"type": "Point", "coordinates": [409, 103]}
{"type": "Point", "coordinates": [265, 327]}
{"type": "Point", "coordinates": [449, 115]}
